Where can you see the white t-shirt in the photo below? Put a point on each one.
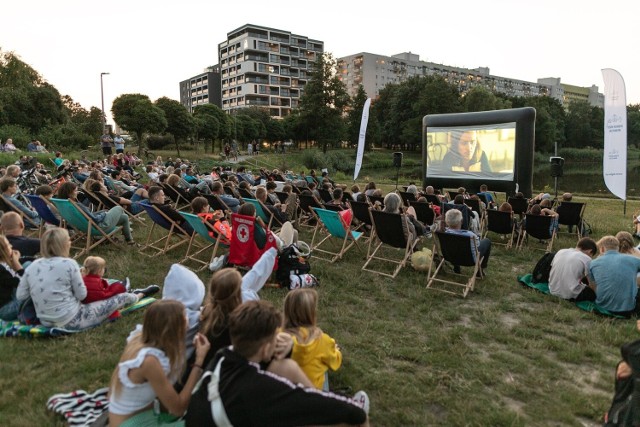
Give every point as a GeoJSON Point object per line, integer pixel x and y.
{"type": "Point", "coordinates": [568, 268]}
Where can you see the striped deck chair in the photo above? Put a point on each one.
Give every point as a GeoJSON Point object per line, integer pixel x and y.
{"type": "Point", "coordinates": [202, 229]}
{"type": "Point", "coordinates": [82, 223]}
{"type": "Point", "coordinates": [337, 229]}
{"type": "Point", "coordinates": [163, 244]}
{"type": "Point", "coordinates": [389, 231]}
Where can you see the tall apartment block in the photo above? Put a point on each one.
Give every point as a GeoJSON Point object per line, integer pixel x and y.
{"type": "Point", "coordinates": [201, 89]}
{"type": "Point", "coordinates": [265, 67]}
{"type": "Point", "coordinates": [374, 72]}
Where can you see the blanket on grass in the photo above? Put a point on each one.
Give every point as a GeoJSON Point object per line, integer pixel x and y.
{"type": "Point", "coordinates": [80, 408]}
{"type": "Point", "coordinates": [589, 306]}
{"type": "Point", "coordinates": [17, 329]}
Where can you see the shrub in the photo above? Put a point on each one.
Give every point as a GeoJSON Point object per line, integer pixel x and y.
{"type": "Point", "coordinates": [64, 136]}
{"type": "Point", "coordinates": [157, 142]}
{"type": "Point", "coordinates": [21, 136]}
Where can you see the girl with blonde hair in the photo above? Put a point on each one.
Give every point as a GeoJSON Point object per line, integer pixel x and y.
{"type": "Point", "coordinates": [10, 273]}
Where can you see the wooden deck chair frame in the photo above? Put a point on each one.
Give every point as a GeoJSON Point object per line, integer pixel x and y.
{"type": "Point", "coordinates": [500, 223]}
{"type": "Point", "coordinates": [455, 249]}
{"type": "Point", "coordinates": [107, 202]}
{"type": "Point", "coordinates": [337, 230]}
{"type": "Point", "coordinates": [175, 196]}
{"type": "Point", "coordinates": [173, 229]}
{"type": "Point", "coordinates": [202, 229]}
{"type": "Point", "coordinates": [74, 216]}
{"type": "Point", "coordinates": [573, 218]}
{"type": "Point", "coordinates": [389, 235]}
{"type": "Point", "coordinates": [537, 226]}
{"type": "Point", "coordinates": [31, 228]}
{"type": "Point", "coordinates": [217, 204]}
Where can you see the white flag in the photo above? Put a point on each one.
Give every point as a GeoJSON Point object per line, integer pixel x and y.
{"type": "Point", "coordinates": [614, 162]}
{"type": "Point", "coordinates": [363, 133]}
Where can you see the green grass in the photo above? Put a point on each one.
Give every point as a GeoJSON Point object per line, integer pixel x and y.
{"type": "Point", "coordinates": [504, 356]}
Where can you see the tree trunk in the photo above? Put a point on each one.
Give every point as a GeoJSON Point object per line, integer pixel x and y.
{"type": "Point", "coordinates": [177, 146]}
{"type": "Point", "coordinates": [140, 144]}
{"type": "Point", "coordinates": [213, 145]}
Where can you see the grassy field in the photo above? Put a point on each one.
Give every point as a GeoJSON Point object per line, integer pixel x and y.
{"type": "Point", "coordinates": [504, 356]}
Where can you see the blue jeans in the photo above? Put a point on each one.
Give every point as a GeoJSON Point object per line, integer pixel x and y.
{"type": "Point", "coordinates": [116, 216]}
{"type": "Point", "coordinates": [10, 310]}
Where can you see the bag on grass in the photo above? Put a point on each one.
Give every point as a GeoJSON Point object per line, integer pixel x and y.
{"type": "Point", "coordinates": [543, 268]}
{"type": "Point", "coordinates": [291, 261]}
{"type": "Point", "coordinates": [297, 281]}
{"type": "Point", "coordinates": [625, 407]}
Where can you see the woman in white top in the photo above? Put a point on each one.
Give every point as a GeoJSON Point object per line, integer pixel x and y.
{"type": "Point", "coordinates": [152, 361]}
{"type": "Point", "coordinates": [55, 285]}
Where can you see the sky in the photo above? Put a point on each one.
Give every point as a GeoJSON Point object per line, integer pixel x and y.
{"type": "Point", "coordinates": [148, 47]}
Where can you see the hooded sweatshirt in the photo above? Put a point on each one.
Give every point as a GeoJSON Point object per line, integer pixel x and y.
{"type": "Point", "coordinates": [315, 356]}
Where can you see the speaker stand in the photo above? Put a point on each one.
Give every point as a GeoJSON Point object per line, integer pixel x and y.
{"type": "Point", "coordinates": [397, 173]}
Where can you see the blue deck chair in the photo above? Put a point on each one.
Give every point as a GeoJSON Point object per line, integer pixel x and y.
{"type": "Point", "coordinates": [82, 223]}
{"type": "Point", "coordinates": [263, 213]}
{"type": "Point", "coordinates": [41, 206]}
{"type": "Point", "coordinates": [337, 229]}
{"type": "Point", "coordinates": [174, 230]}
{"type": "Point", "coordinates": [202, 229]}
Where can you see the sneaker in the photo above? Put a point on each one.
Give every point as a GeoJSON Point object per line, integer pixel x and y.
{"type": "Point", "coordinates": [132, 243]}
{"type": "Point", "coordinates": [127, 284]}
{"type": "Point", "coordinates": [217, 263]}
{"type": "Point", "coordinates": [148, 291]}
{"type": "Point", "coordinates": [362, 400]}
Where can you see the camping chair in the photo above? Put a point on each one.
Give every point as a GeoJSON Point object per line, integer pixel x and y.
{"type": "Point", "coordinates": [325, 195]}
{"type": "Point", "coordinates": [74, 216]}
{"type": "Point", "coordinates": [174, 230]}
{"type": "Point", "coordinates": [389, 231]}
{"type": "Point", "coordinates": [336, 228]}
{"type": "Point", "coordinates": [202, 229]}
{"type": "Point", "coordinates": [307, 202]}
{"type": "Point", "coordinates": [265, 214]}
{"type": "Point", "coordinates": [407, 197]}
{"type": "Point", "coordinates": [6, 205]}
{"type": "Point", "coordinates": [457, 250]}
{"type": "Point", "coordinates": [501, 223]}
{"type": "Point", "coordinates": [538, 227]}
{"type": "Point", "coordinates": [175, 196]}
{"type": "Point", "coordinates": [41, 205]}
{"type": "Point", "coordinates": [571, 214]}
{"type": "Point", "coordinates": [243, 251]}
{"type": "Point", "coordinates": [246, 194]}
{"type": "Point", "coordinates": [374, 199]}
{"type": "Point", "coordinates": [424, 212]}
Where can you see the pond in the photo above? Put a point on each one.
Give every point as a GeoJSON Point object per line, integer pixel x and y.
{"type": "Point", "coordinates": [585, 178]}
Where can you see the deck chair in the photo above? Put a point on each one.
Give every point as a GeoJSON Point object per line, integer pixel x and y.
{"type": "Point", "coordinates": [264, 214]}
{"type": "Point", "coordinates": [7, 205]}
{"type": "Point", "coordinates": [519, 206]}
{"type": "Point", "coordinates": [96, 204]}
{"type": "Point", "coordinates": [178, 200]}
{"type": "Point", "coordinates": [243, 251]}
{"type": "Point", "coordinates": [217, 204]}
{"type": "Point", "coordinates": [571, 214]}
{"type": "Point", "coordinates": [462, 208]}
{"type": "Point", "coordinates": [374, 199]}
{"type": "Point", "coordinates": [325, 195]}
{"type": "Point", "coordinates": [246, 194]}
{"type": "Point", "coordinates": [474, 204]}
{"type": "Point", "coordinates": [203, 230]}
{"type": "Point", "coordinates": [455, 249]}
{"type": "Point", "coordinates": [433, 199]}
{"type": "Point", "coordinates": [41, 205]}
{"type": "Point", "coordinates": [282, 196]}
{"type": "Point", "coordinates": [361, 213]}
{"type": "Point", "coordinates": [501, 223]}
{"type": "Point", "coordinates": [538, 226]}
{"type": "Point", "coordinates": [307, 202]}
{"type": "Point", "coordinates": [424, 212]}
{"type": "Point", "coordinates": [82, 223]}
{"type": "Point", "coordinates": [389, 231]}
{"type": "Point", "coordinates": [337, 229]}
{"type": "Point", "coordinates": [108, 203]}
{"type": "Point", "coordinates": [407, 197]}
{"type": "Point", "coordinates": [174, 230]}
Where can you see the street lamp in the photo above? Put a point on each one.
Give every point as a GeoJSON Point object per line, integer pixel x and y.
{"type": "Point", "coordinates": [104, 117]}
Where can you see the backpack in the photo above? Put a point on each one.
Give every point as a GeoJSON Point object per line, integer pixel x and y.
{"type": "Point", "coordinates": [543, 268]}
{"type": "Point", "coordinates": [290, 262]}
{"type": "Point", "coordinates": [625, 406]}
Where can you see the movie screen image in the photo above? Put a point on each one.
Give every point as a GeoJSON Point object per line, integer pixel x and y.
{"type": "Point", "coordinates": [479, 151]}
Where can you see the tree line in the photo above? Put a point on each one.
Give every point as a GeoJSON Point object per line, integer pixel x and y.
{"type": "Point", "coordinates": [31, 108]}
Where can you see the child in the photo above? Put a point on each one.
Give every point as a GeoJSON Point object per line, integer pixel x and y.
{"type": "Point", "coordinates": [314, 350]}
{"type": "Point", "coordinates": [200, 207]}
{"type": "Point", "coordinates": [98, 289]}
{"type": "Point", "coordinates": [152, 360]}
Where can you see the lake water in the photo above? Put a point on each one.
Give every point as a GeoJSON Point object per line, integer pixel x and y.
{"type": "Point", "coordinates": [584, 178]}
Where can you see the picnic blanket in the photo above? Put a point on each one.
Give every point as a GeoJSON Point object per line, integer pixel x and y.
{"type": "Point", "coordinates": [589, 306]}
{"type": "Point", "coordinates": [80, 408]}
{"type": "Point", "coordinates": [17, 329]}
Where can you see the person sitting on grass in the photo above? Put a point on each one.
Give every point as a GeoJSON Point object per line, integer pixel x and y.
{"type": "Point", "coordinates": [55, 285]}
{"type": "Point", "coordinates": [315, 351]}
{"type": "Point", "coordinates": [614, 276]}
{"type": "Point", "coordinates": [627, 245]}
{"type": "Point", "coordinates": [10, 273]}
{"type": "Point", "coordinates": [98, 289]}
{"type": "Point", "coordinates": [238, 390]}
{"type": "Point", "coordinates": [106, 220]}
{"type": "Point", "coordinates": [569, 272]}
{"type": "Point", "coordinates": [151, 362]}
{"type": "Point", "coordinates": [479, 247]}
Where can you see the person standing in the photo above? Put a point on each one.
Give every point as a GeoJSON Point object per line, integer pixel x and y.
{"type": "Point", "coordinates": [250, 149]}
{"type": "Point", "coordinates": [234, 150]}
{"type": "Point", "coordinates": [118, 141]}
{"type": "Point", "coordinates": [105, 142]}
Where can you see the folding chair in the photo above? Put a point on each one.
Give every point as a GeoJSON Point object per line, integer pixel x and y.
{"type": "Point", "coordinates": [407, 197]}
{"type": "Point", "coordinates": [243, 251]}
{"type": "Point", "coordinates": [433, 199]}
{"type": "Point", "coordinates": [217, 204]}
{"type": "Point", "coordinates": [282, 196]}
{"type": "Point", "coordinates": [41, 205]}
{"type": "Point", "coordinates": [389, 231]}
{"type": "Point", "coordinates": [264, 214]}
{"type": "Point", "coordinates": [519, 206]}
{"type": "Point", "coordinates": [462, 208]}
{"type": "Point", "coordinates": [424, 212]}
{"type": "Point", "coordinates": [174, 230]}
{"type": "Point", "coordinates": [7, 205]}
{"type": "Point", "coordinates": [474, 204]}
{"type": "Point", "coordinates": [108, 203]}
{"type": "Point", "coordinates": [539, 227]}
{"type": "Point", "coordinates": [374, 199]}
{"type": "Point", "coordinates": [337, 229]}
{"type": "Point", "coordinates": [325, 195]}
{"type": "Point", "coordinates": [501, 223]}
{"type": "Point", "coordinates": [571, 214]}
{"type": "Point", "coordinates": [244, 193]}
{"type": "Point", "coordinates": [175, 196]}
{"type": "Point", "coordinates": [457, 250]}
{"type": "Point", "coordinates": [307, 202]}
{"type": "Point", "coordinates": [204, 230]}
{"type": "Point", "coordinates": [74, 216]}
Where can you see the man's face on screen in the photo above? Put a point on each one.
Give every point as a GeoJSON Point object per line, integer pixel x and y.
{"type": "Point", "coordinates": [467, 145]}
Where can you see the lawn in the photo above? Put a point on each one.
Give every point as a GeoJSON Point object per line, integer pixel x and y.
{"type": "Point", "coordinates": [504, 356]}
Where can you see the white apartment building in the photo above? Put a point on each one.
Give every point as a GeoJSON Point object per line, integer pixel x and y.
{"type": "Point", "coordinates": [265, 67]}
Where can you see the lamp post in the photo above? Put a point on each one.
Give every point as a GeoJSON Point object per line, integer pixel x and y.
{"type": "Point", "coordinates": [104, 118]}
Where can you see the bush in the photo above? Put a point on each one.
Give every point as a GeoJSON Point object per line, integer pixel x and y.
{"type": "Point", "coordinates": [339, 161]}
{"type": "Point", "coordinates": [64, 136]}
{"type": "Point", "coordinates": [157, 142]}
{"type": "Point", "coordinates": [21, 136]}
{"type": "Point", "coordinates": [313, 159]}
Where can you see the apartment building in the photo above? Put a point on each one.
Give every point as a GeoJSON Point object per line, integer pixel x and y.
{"type": "Point", "coordinates": [203, 88]}
{"type": "Point", "coordinates": [265, 67]}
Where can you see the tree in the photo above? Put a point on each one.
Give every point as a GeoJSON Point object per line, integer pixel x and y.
{"type": "Point", "coordinates": [550, 120]}
{"type": "Point", "coordinates": [633, 124]}
{"type": "Point", "coordinates": [323, 103]}
{"type": "Point", "coordinates": [208, 118]}
{"type": "Point", "coordinates": [88, 122]}
{"type": "Point", "coordinates": [180, 124]}
{"type": "Point", "coordinates": [480, 98]}
{"type": "Point", "coordinates": [354, 117]}
{"type": "Point", "coordinates": [578, 128]}
{"type": "Point", "coordinates": [275, 130]}
{"type": "Point", "coordinates": [136, 113]}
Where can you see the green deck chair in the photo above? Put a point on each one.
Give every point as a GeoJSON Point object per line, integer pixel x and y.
{"type": "Point", "coordinates": [82, 223]}
{"type": "Point", "coordinates": [337, 230]}
{"type": "Point", "coordinates": [202, 229]}
{"type": "Point", "coordinates": [264, 214]}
